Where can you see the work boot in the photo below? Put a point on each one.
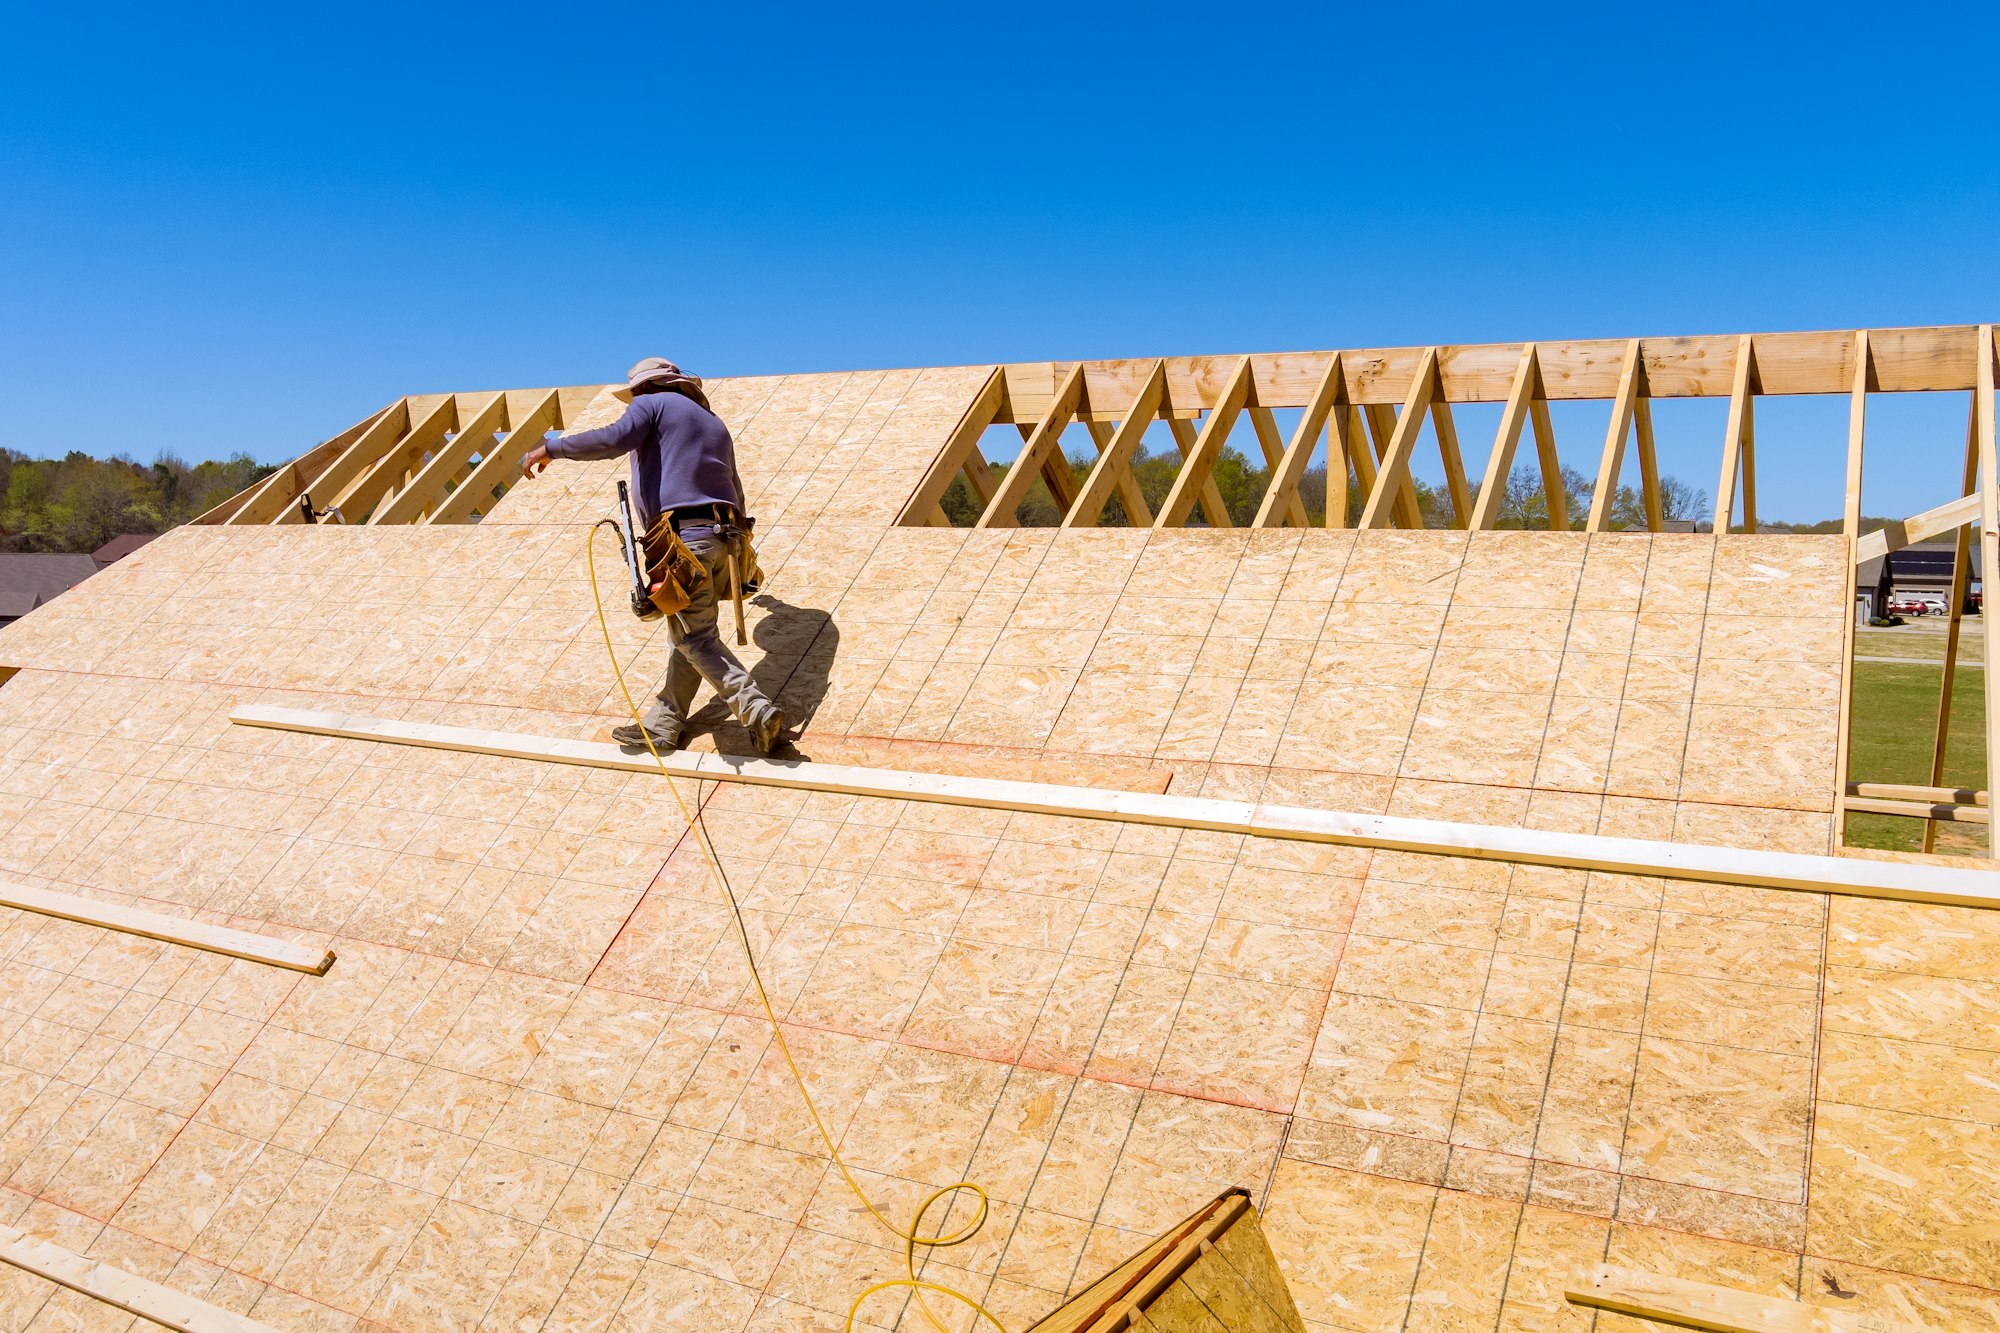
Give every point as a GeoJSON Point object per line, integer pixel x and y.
{"type": "Point", "coordinates": [634, 737]}
{"type": "Point", "coordinates": [764, 732]}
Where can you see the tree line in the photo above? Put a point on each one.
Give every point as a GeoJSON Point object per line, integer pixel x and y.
{"type": "Point", "coordinates": [77, 503]}
{"type": "Point", "coordinates": [1241, 483]}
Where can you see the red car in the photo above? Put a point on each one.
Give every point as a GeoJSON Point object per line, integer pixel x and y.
{"type": "Point", "coordinates": [1909, 605]}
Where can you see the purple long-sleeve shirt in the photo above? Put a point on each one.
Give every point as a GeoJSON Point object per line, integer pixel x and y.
{"type": "Point", "coordinates": [682, 456]}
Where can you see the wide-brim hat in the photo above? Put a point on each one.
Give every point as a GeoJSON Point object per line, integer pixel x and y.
{"type": "Point", "coordinates": [659, 372]}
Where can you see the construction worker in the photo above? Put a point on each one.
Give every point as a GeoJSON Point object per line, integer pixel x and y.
{"type": "Point", "coordinates": [683, 465]}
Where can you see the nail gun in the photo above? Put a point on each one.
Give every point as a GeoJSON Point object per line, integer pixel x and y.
{"type": "Point", "coordinates": [628, 538]}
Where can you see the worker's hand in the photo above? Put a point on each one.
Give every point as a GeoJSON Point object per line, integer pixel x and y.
{"type": "Point", "coordinates": [535, 460]}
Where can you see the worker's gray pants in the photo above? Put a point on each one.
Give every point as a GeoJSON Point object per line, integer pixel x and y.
{"type": "Point", "coordinates": [699, 652]}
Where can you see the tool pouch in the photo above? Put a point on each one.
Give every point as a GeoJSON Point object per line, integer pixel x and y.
{"type": "Point", "coordinates": [746, 556]}
{"type": "Point", "coordinates": [673, 575]}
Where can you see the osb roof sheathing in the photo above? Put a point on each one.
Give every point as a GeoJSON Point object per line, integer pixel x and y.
{"type": "Point", "coordinates": [534, 1093]}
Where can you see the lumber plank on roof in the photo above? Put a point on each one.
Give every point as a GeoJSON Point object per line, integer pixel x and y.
{"type": "Point", "coordinates": [1395, 470]}
{"type": "Point", "coordinates": [1283, 490]}
{"type": "Point", "coordinates": [1199, 466]}
{"type": "Point", "coordinates": [427, 488]}
{"type": "Point", "coordinates": [1043, 446]}
{"type": "Point", "coordinates": [501, 464]}
{"type": "Point", "coordinates": [1717, 1309]}
{"type": "Point", "coordinates": [116, 1287]}
{"type": "Point", "coordinates": [172, 929]}
{"type": "Point", "coordinates": [1964, 887]}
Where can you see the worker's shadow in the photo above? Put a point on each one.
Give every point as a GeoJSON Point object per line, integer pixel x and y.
{"type": "Point", "coordinates": [797, 645]}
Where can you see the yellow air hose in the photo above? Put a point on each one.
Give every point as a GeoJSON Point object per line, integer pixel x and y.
{"type": "Point", "coordinates": [911, 1236]}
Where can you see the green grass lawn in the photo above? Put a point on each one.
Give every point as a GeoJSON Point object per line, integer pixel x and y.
{"type": "Point", "coordinates": [1923, 639]}
{"type": "Point", "coordinates": [1895, 715]}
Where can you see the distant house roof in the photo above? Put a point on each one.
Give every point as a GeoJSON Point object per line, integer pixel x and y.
{"type": "Point", "coordinates": [28, 580]}
{"type": "Point", "coordinates": [121, 546]}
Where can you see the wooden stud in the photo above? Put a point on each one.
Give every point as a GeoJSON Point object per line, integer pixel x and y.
{"type": "Point", "coordinates": [1114, 459]}
{"type": "Point", "coordinates": [1850, 528]}
{"type": "Point", "coordinates": [1717, 1309]}
{"type": "Point", "coordinates": [1199, 466]}
{"type": "Point", "coordinates": [1957, 886]}
{"type": "Point", "coordinates": [1857, 425]}
{"type": "Point", "coordinates": [1649, 463]}
{"type": "Point", "coordinates": [1272, 446]}
{"type": "Point", "coordinates": [372, 487]}
{"type": "Point", "coordinates": [1604, 492]}
{"type": "Point", "coordinates": [1961, 576]}
{"type": "Point", "coordinates": [172, 929]}
{"type": "Point", "coordinates": [978, 474]}
{"type": "Point", "coordinates": [1742, 386]}
{"type": "Point", "coordinates": [351, 462]}
{"type": "Point", "coordinates": [1328, 402]}
{"type": "Point", "coordinates": [959, 447]}
{"type": "Point", "coordinates": [1395, 470]}
{"type": "Point", "coordinates": [1989, 551]}
{"type": "Point", "coordinates": [427, 488]}
{"type": "Point", "coordinates": [1361, 454]}
{"type": "Point", "coordinates": [1043, 444]}
{"type": "Point", "coordinates": [1554, 491]}
{"type": "Point", "coordinates": [1340, 424]}
{"type": "Point", "coordinates": [1454, 462]}
{"type": "Point", "coordinates": [116, 1287]}
{"type": "Point", "coordinates": [500, 466]}
{"type": "Point", "coordinates": [1932, 813]}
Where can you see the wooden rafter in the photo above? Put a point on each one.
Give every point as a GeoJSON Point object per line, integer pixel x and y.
{"type": "Point", "coordinates": [1736, 437]}
{"type": "Point", "coordinates": [1043, 446]}
{"type": "Point", "coordinates": [1989, 550]}
{"type": "Point", "coordinates": [350, 463]}
{"type": "Point", "coordinates": [499, 466]}
{"type": "Point", "coordinates": [1500, 462]}
{"type": "Point", "coordinates": [1328, 405]}
{"type": "Point", "coordinates": [1381, 419]}
{"type": "Point", "coordinates": [1907, 532]}
{"type": "Point", "coordinates": [428, 487]}
{"type": "Point", "coordinates": [1199, 466]}
{"type": "Point", "coordinates": [1454, 461]}
{"type": "Point", "coordinates": [1113, 469]}
{"type": "Point", "coordinates": [1624, 407]}
{"type": "Point", "coordinates": [1394, 473]}
{"type": "Point", "coordinates": [1360, 455]}
{"type": "Point", "coordinates": [1213, 511]}
{"type": "Point", "coordinates": [393, 469]}
{"type": "Point", "coordinates": [961, 445]}
{"type": "Point", "coordinates": [1961, 576]}
{"type": "Point", "coordinates": [280, 491]}
{"type": "Point", "coordinates": [1138, 513]}
{"type": "Point", "coordinates": [1272, 446]}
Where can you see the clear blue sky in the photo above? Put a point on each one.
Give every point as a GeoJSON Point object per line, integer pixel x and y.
{"type": "Point", "coordinates": [242, 229]}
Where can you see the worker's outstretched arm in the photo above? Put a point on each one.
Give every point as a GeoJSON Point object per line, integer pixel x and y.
{"type": "Point", "coordinates": [620, 437]}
